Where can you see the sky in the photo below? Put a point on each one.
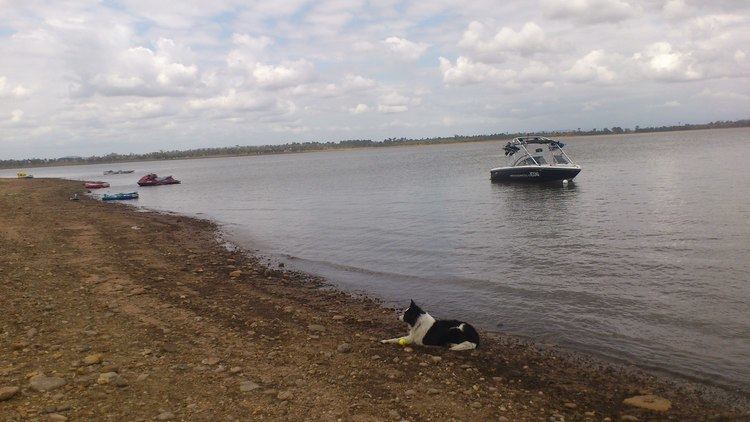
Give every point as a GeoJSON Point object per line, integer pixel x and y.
{"type": "Point", "coordinates": [87, 77]}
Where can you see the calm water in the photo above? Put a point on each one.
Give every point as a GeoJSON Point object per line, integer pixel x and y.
{"type": "Point", "coordinates": [645, 259]}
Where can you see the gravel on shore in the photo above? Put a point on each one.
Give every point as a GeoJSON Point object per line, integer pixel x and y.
{"type": "Point", "coordinates": [113, 314]}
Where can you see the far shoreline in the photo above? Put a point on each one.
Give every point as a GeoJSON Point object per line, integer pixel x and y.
{"type": "Point", "coordinates": [352, 148]}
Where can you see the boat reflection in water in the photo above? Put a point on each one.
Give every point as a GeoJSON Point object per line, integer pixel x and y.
{"type": "Point", "coordinates": [547, 163]}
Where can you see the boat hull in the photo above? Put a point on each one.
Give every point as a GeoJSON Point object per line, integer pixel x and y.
{"type": "Point", "coordinates": [533, 174]}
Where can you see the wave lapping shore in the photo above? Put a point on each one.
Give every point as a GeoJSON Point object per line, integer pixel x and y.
{"type": "Point", "coordinates": [114, 314]}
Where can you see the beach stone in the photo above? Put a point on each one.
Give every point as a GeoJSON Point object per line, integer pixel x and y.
{"type": "Point", "coordinates": [650, 402]}
{"type": "Point", "coordinates": [235, 369]}
{"type": "Point", "coordinates": [8, 392]}
{"type": "Point", "coordinates": [502, 419]}
{"type": "Point", "coordinates": [433, 391]}
{"type": "Point", "coordinates": [112, 378]}
{"type": "Point", "coordinates": [165, 416]}
{"type": "Point", "coordinates": [436, 359]}
{"type": "Point", "coordinates": [285, 395]}
{"type": "Point", "coordinates": [43, 383]}
{"type": "Point", "coordinates": [235, 273]}
{"type": "Point", "coordinates": [410, 392]}
{"type": "Point", "coordinates": [629, 418]}
{"type": "Point", "coordinates": [93, 359]}
{"type": "Point", "coordinates": [169, 347]}
{"type": "Point", "coordinates": [56, 417]}
{"type": "Point", "coordinates": [476, 405]}
{"type": "Point", "coordinates": [316, 327]}
{"type": "Point", "coordinates": [247, 385]}
{"type": "Point", "coordinates": [570, 405]}
{"type": "Point", "coordinates": [344, 348]}
{"type": "Point", "coordinates": [211, 360]}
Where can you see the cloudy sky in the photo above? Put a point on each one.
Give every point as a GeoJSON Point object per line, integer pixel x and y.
{"type": "Point", "coordinates": [86, 77]}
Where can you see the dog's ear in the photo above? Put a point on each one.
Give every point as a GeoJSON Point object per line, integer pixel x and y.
{"type": "Point", "coordinates": [412, 304]}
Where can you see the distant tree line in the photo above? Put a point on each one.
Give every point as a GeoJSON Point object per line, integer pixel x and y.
{"type": "Point", "coordinates": [293, 147]}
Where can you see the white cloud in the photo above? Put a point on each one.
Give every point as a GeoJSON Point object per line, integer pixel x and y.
{"type": "Point", "coordinates": [250, 42]}
{"type": "Point", "coordinates": [395, 102]}
{"type": "Point", "coordinates": [16, 115]}
{"type": "Point", "coordinates": [591, 11]}
{"type": "Point", "coordinates": [359, 109]}
{"type": "Point", "coordinates": [468, 72]}
{"type": "Point", "coordinates": [404, 48]}
{"type": "Point", "coordinates": [591, 68]}
{"type": "Point", "coordinates": [662, 62]}
{"type": "Point", "coordinates": [286, 74]}
{"type": "Point", "coordinates": [357, 83]}
{"type": "Point", "coordinates": [18, 92]}
{"type": "Point", "coordinates": [528, 40]}
{"type": "Point", "coordinates": [145, 72]}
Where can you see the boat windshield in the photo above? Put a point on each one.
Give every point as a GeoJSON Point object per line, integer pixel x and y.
{"type": "Point", "coordinates": [560, 159]}
{"type": "Point", "coordinates": [539, 159]}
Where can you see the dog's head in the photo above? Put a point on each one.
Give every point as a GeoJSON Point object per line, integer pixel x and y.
{"type": "Point", "coordinates": [411, 314]}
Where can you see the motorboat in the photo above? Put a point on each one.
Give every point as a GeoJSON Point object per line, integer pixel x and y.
{"type": "Point", "coordinates": [22, 175]}
{"type": "Point", "coordinates": [108, 172]}
{"type": "Point", "coordinates": [120, 196]}
{"type": "Point", "coordinates": [95, 185]}
{"type": "Point", "coordinates": [152, 179]}
{"type": "Point", "coordinates": [535, 159]}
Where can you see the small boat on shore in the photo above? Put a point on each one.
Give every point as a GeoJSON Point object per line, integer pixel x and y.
{"type": "Point", "coordinates": [537, 166]}
{"type": "Point", "coordinates": [95, 185]}
{"type": "Point", "coordinates": [22, 175]}
{"type": "Point", "coordinates": [108, 172]}
{"type": "Point", "coordinates": [120, 196]}
{"type": "Point", "coordinates": [152, 179]}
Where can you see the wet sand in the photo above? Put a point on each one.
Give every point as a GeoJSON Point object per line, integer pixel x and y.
{"type": "Point", "coordinates": [113, 314]}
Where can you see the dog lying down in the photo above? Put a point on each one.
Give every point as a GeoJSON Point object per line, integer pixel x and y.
{"type": "Point", "coordinates": [425, 330]}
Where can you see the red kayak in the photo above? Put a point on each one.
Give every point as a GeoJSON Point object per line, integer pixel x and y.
{"type": "Point", "coordinates": [154, 180]}
{"type": "Point", "coordinates": [95, 185]}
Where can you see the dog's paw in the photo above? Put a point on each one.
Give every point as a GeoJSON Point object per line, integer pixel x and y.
{"type": "Point", "coordinates": [384, 341]}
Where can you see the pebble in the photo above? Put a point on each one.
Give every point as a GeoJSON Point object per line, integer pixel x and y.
{"type": "Point", "coordinates": [316, 327]}
{"type": "Point", "coordinates": [165, 416]}
{"type": "Point", "coordinates": [408, 349]}
{"type": "Point", "coordinates": [56, 417]}
{"type": "Point", "coordinates": [650, 402]}
{"type": "Point", "coordinates": [235, 273]}
{"type": "Point", "coordinates": [502, 419]}
{"type": "Point", "coordinates": [44, 383]}
{"type": "Point", "coordinates": [8, 392]}
{"type": "Point", "coordinates": [169, 347]}
{"type": "Point", "coordinates": [211, 360]}
{"type": "Point", "coordinates": [141, 377]}
{"type": "Point", "coordinates": [394, 415]}
{"type": "Point", "coordinates": [112, 378]}
{"type": "Point", "coordinates": [285, 395]}
{"type": "Point", "coordinates": [476, 405]}
{"type": "Point", "coordinates": [628, 418]}
{"type": "Point", "coordinates": [338, 317]}
{"type": "Point", "coordinates": [591, 414]}
{"type": "Point", "coordinates": [570, 405]}
{"type": "Point", "coordinates": [410, 392]}
{"type": "Point", "coordinates": [436, 358]}
{"type": "Point", "coordinates": [433, 391]}
{"type": "Point", "coordinates": [344, 348]}
{"type": "Point", "coordinates": [247, 385]}
{"type": "Point", "coordinates": [235, 369]}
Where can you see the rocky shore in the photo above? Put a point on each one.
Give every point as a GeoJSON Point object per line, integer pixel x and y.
{"type": "Point", "coordinates": [113, 314]}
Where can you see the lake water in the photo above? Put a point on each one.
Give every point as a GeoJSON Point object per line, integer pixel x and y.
{"type": "Point", "coordinates": [644, 259]}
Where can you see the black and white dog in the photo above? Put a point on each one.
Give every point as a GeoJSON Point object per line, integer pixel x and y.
{"type": "Point", "coordinates": [425, 330]}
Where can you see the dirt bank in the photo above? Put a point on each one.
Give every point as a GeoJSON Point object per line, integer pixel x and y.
{"type": "Point", "coordinates": [113, 314]}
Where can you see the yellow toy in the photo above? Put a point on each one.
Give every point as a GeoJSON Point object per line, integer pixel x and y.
{"type": "Point", "coordinates": [402, 341]}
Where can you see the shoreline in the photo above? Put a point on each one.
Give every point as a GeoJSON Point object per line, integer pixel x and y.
{"type": "Point", "coordinates": [165, 300]}
{"type": "Point", "coordinates": [47, 165]}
